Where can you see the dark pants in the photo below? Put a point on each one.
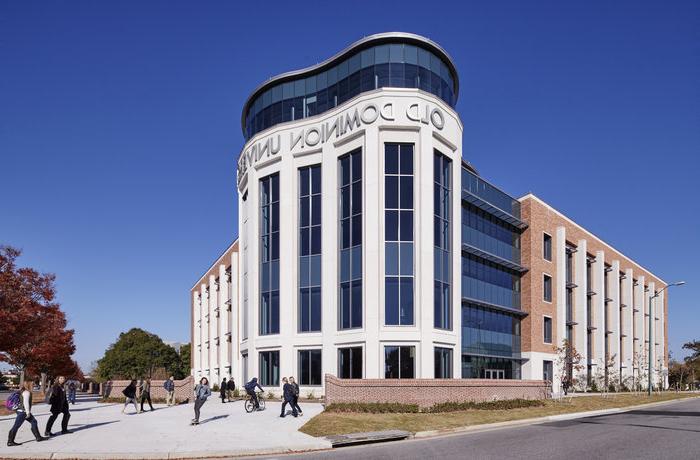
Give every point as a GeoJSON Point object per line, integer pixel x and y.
{"type": "Point", "coordinates": [223, 397]}
{"type": "Point", "coordinates": [54, 416]}
{"type": "Point", "coordinates": [146, 396]}
{"type": "Point", "coordinates": [198, 403]}
{"type": "Point", "coordinates": [21, 417]}
{"type": "Point", "coordinates": [291, 403]}
{"type": "Point", "coordinates": [254, 395]}
{"type": "Point", "coordinates": [71, 396]}
{"type": "Point", "coordinates": [295, 404]}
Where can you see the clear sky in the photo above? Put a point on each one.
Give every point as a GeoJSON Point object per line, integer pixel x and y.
{"type": "Point", "coordinates": [120, 126]}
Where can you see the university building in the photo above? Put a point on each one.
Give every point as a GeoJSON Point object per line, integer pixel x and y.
{"type": "Point", "coordinates": [369, 248]}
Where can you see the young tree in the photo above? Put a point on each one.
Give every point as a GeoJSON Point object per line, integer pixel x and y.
{"type": "Point", "coordinates": [568, 362]}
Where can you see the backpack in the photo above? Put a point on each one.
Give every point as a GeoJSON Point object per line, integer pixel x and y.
{"type": "Point", "coordinates": [13, 402]}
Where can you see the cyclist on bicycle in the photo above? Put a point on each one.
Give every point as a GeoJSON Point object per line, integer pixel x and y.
{"type": "Point", "coordinates": [250, 389]}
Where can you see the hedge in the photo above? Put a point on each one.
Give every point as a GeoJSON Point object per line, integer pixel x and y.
{"type": "Point", "coordinates": [398, 408]}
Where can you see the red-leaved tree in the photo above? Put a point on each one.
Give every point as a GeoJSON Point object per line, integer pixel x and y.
{"type": "Point", "coordinates": [34, 336]}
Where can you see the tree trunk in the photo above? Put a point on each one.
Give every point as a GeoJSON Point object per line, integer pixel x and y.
{"type": "Point", "coordinates": [21, 378]}
{"type": "Point", "coordinates": [43, 382]}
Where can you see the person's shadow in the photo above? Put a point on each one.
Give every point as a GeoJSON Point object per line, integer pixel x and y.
{"type": "Point", "coordinates": [218, 417]}
{"type": "Point", "coordinates": [91, 425]}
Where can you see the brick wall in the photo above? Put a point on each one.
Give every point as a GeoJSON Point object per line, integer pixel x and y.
{"type": "Point", "coordinates": [184, 389]}
{"type": "Point", "coordinates": [427, 392]}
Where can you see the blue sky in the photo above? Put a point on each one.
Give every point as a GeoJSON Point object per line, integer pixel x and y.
{"type": "Point", "coordinates": [119, 130]}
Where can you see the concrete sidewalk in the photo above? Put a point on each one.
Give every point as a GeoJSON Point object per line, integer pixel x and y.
{"type": "Point", "coordinates": [102, 431]}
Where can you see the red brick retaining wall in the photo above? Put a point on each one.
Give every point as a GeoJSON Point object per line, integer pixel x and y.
{"type": "Point", "coordinates": [427, 392]}
{"type": "Point", "coordinates": [184, 389]}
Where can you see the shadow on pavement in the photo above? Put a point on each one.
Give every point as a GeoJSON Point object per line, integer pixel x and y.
{"type": "Point", "coordinates": [668, 413]}
{"type": "Point", "coordinates": [91, 425]}
{"type": "Point", "coordinates": [218, 417]}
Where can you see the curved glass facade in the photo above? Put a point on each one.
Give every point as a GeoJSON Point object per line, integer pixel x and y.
{"type": "Point", "coordinates": [397, 65]}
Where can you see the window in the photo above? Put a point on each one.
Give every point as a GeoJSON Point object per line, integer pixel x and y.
{"type": "Point", "coordinates": [244, 365]}
{"type": "Point", "coordinates": [269, 255]}
{"type": "Point", "coordinates": [350, 196]}
{"type": "Point", "coordinates": [547, 247]}
{"type": "Point", "coordinates": [547, 371]}
{"type": "Point", "coordinates": [443, 363]}
{"type": "Point", "coordinates": [442, 174]}
{"type": "Point", "coordinates": [350, 363]}
{"type": "Point", "coordinates": [310, 367]}
{"type": "Point", "coordinates": [310, 249]}
{"type": "Point", "coordinates": [398, 230]}
{"type": "Point", "coordinates": [547, 329]}
{"type": "Point", "coordinates": [547, 288]}
{"type": "Point", "coordinates": [399, 362]}
{"type": "Point", "coordinates": [270, 368]}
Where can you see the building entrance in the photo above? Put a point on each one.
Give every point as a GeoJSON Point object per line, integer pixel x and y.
{"type": "Point", "coordinates": [494, 374]}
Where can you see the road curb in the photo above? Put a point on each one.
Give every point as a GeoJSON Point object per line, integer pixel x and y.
{"type": "Point", "coordinates": [544, 419]}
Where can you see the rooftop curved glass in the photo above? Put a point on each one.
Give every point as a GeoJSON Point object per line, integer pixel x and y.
{"type": "Point", "coordinates": [397, 60]}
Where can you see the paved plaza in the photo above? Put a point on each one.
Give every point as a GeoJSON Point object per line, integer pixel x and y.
{"type": "Point", "coordinates": [102, 431]}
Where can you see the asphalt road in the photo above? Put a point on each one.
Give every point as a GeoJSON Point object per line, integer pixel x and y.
{"type": "Point", "coordinates": [669, 431]}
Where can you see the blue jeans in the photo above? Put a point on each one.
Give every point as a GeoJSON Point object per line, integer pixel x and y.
{"type": "Point", "coordinates": [21, 417]}
{"type": "Point", "coordinates": [71, 396]}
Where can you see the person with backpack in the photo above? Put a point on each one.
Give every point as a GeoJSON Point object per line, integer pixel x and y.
{"type": "Point", "coordinates": [146, 394]}
{"type": "Point", "coordinates": [230, 388]}
{"type": "Point", "coordinates": [250, 390]}
{"type": "Point", "coordinates": [21, 403]}
{"type": "Point", "coordinates": [59, 405]}
{"type": "Point", "coordinates": [295, 401]}
{"type": "Point", "coordinates": [288, 397]}
{"type": "Point", "coordinates": [222, 391]}
{"type": "Point", "coordinates": [169, 386]}
{"type": "Point", "coordinates": [201, 393]}
{"type": "Point", "coordinates": [130, 394]}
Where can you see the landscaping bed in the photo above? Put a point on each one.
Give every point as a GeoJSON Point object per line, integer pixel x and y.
{"type": "Point", "coordinates": [376, 417]}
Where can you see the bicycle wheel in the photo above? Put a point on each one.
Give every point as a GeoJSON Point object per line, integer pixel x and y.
{"type": "Point", "coordinates": [249, 405]}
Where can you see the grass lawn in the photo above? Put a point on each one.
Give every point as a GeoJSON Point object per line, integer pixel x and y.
{"type": "Point", "coordinates": [327, 423]}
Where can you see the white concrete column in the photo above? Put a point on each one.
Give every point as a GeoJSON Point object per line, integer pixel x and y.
{"type": "Point", "coordinates": [598, 270]}
{"type": "Point", "coordinates": [213, 333]}
{"type": "Point", "coordinates": [222, 298]}
{"type": "Point", "coordinates": [196, 336]}
{"type": "Point", "coordinates": [234, 318]}
{"type": "Point", "coordinates": [661, 338]}
{"type": "Point", "coordinates": [560, 286]}
{"type": "Point", "coordinates": [614, 316]}
{"type": "Point", "coordinates": [627, 324]}
{"type": "Point", "coordinates": [580, 303]}
{"type": "Point", "coordinates": [205, 331]}
{"type": "Point", "coordinates": [373, 272]}
{"type": "Point", "coordinates": [650, 339]}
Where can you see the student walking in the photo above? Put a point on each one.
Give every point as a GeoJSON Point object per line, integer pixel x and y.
{"type": "Point", "coordinates": [230, 388]}
{"type": "Point", "coordinates": [59, 405]}
{"type": "Point", "coordinates": [146, 394]}
{"type": "Point", "coordinates": [250, 390]}
{"type": "Point", "coordinates": [130, 394]}
{"type": "Point", "coordinates": [222, 390]}
{"type": "Point", "coordinates": [72, 388]}
{"type": "Point", "coordinates": [201, 393]}
{"type": "Point", "coordinates": [22, 404]}
{"type": "Point", "coordinates": [288, 396]}
{"type": "Point", "coordinates": [169, 386]}
{"type": "Point", "coordinates": [295, 402]}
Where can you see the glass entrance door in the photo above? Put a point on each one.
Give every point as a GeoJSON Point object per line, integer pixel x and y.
{"type": "Point", "coordinates": [497, 374]}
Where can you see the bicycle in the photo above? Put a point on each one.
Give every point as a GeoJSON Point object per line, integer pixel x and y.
{"type": "Point", "coordinates": [250, 403]}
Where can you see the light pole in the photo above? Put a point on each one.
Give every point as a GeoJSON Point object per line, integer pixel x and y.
{"type": "Point", "coordinates": [651, 319]}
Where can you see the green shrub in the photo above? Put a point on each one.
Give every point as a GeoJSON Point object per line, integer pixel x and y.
{"type": "Point", "coordinates": [505, 404]}
{"type": "Point", "coordinates": [310, 395]}
{"type": "Point", "coordinates": [236, 393]}
{"type": "Point", "coordinates": [270, 395]}
{"type": "Point", "coordinates": [374, 408]}
{"type": "Point", "coordinates": [215, 388]}
{"type": "Point", "coordinates": [594, 386]}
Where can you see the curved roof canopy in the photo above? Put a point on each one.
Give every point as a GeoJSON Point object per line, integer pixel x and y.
{"type": "Point", "coordinates": [343, 56]}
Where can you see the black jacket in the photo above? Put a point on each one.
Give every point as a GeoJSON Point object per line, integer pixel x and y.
{"type": "Point", "coordinates": [58, 399]}
{"type": "Point", "coordinates": [288, 391]}
{"type": "Point", "coordinates": [129, 391]}
{"type": "Point", "coordinates": [222, 390]}
{"type": "Point", "coordinates": [231, 385]}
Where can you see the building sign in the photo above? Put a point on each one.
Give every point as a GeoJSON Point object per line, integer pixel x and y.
{"type": "Point", "coordinates": [335, 128]}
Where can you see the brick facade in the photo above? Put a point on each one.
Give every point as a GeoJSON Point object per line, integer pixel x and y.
{"type": "Point", "coordinates": [184, 389]}
{"type": "Point", "coordinates": [427, 392]}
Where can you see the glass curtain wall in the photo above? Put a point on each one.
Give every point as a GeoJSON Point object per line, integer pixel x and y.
{"type": "Point", "coordinates": [350, 196]}
{"type": "Point", "coordinates": [310, 249]}
{"type": "Point", "coordinates": [269, 255]}
{"type": "Point", "coordinates": [398, 228]}
{"type": "Point", "coordinates": [442, 231]}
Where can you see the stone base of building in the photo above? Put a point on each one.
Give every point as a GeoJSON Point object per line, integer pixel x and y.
{"type": "Point", "coordinates": [428, 392]}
